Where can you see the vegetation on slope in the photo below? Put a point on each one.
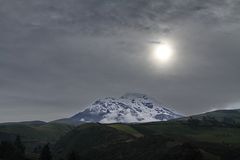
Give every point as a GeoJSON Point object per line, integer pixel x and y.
{"type": "Point", "coordinates": [127, 129]}
{"type": "Point", "coordinates": [203, 137]}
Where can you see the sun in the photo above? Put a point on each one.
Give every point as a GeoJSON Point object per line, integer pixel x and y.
{"type": "Point", "coordinates": [163, 52]}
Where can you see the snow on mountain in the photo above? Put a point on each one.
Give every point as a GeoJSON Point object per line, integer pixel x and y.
{"type": "Point", "coordinates": [130, 108]}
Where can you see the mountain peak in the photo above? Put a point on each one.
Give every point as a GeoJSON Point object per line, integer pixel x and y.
{"type": "Point", "coordinates": [134, 95]}
{"type": "Point", "coordinates": [129, 108]}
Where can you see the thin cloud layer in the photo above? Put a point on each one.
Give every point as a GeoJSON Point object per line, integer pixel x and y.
{"type": "Point", "coordinates": [57, 56]}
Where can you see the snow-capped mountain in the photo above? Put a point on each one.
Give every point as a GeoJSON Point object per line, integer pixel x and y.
{"type": "Point", "coordinates": [130, 108]}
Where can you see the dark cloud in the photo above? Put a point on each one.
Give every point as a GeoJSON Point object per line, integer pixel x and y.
{"type": "Point", "coordinates": [57, 56]}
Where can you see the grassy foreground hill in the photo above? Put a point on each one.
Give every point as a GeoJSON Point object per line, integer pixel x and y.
{"type": "Point", "coordinates": [46, 132]}
{"type": "Point", "coordinates": [33, 134]}
{"type": "Point", "coordinates": [160, 140]}
{"type": "Point", "coordinates": [211, 136]}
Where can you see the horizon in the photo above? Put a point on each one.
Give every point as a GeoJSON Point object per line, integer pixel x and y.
{"type": "Point", "coordinates": [89, 104]}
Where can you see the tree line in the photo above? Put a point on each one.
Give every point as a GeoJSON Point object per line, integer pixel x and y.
{"type": "Point", "coordinates": [15, 150]}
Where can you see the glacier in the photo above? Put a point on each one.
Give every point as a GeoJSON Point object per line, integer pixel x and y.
{"type": "Point", "coordinates": [129, 108]}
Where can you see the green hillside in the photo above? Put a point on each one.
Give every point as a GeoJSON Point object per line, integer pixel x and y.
{"type": "Point", "coordinates": [46, 132]}
{"type": "Point", "coordinates": [89, 136]}
{"type": "Point", "coordinates": [185, 131]}
{"type": "Point", "coordinates": [165, 140]}
{"type": "Point", "coordinates": [219, 115]}
{"type": "Point", "coordinates": [127, 129]}
{"type": "Point", "coordinates": [210, 136]}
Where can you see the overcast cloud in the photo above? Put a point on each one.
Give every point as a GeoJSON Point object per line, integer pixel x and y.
{"type": "Point", "coordinates": [57, 56]}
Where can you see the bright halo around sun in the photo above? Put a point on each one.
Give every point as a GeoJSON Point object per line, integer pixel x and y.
{"type": "Point", "coordinates": [163, 52]}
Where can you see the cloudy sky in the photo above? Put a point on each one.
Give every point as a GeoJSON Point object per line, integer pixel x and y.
{"type": "Point", "coordinates": [58, 56]}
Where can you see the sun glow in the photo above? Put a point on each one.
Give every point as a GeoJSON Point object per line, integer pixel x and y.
{"type": "Point", "coordinates": [163, 52]}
